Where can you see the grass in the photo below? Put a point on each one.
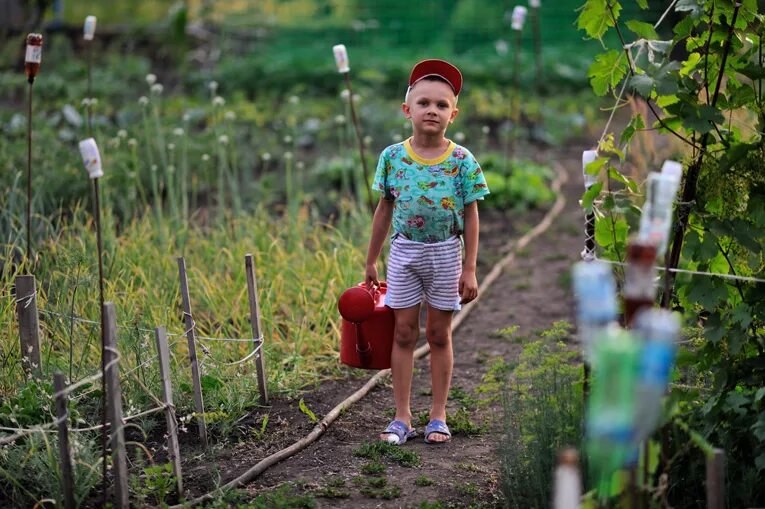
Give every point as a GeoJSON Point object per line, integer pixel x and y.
{"type": "Point", "coordinates": [423, 480]}
{"type": "Point", "coordinates": [335, 488]}
{"type": "Point", "coordinates": [382, 450]}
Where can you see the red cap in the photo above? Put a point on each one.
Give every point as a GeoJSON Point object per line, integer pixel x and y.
{"type": "Point", "coordinates": [440, 68]}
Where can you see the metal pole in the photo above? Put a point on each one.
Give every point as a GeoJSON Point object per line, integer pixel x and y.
{"type": "Point", "coordinates": [29, 175]}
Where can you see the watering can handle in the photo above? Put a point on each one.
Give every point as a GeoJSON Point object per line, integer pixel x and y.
{"type": "Point", "coordinates": [363, 348]}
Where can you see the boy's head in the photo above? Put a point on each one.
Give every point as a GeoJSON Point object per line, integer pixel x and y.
{"type": "Point", "coordinates": [435, 70]}
{"type": "Point", "coordinates": [431, 97]}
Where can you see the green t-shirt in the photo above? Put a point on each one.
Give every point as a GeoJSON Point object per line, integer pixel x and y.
{"type": "Point", "coordinates": [429, 194]}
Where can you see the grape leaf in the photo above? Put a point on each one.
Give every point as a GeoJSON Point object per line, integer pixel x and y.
{"type": "Point", "coordinates": [642, 29]}
{"type": "Point", "coordinates": [642, 84]}
{"type": "Point", "coordinates": [596, 18]}
{"type": "Point", "coordinates": [606, 71]}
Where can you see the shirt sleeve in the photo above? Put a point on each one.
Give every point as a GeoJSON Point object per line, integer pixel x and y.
{"type": "Point", "coordinates": [473, 181]}
{"type": "Point", "coordinates": [383, 167]}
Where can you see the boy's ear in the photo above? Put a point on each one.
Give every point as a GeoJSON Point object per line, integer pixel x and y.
{"type": "Point", "coordinates": [455, 111]}
{"type": "Point", "coordinates": [405, 109]}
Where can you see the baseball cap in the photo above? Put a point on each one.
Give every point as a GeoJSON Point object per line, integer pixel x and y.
{"type": "Point", "coordinates": [440, 68]}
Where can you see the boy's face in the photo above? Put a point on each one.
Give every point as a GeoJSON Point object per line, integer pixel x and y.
{"type": "Point", "coordinates": [431, 107]}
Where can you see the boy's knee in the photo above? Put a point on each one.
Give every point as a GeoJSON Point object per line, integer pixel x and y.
{"type": "Point", "coordinates": [406, 334]}
{"type": "Point", "coordinates": [438, 338]}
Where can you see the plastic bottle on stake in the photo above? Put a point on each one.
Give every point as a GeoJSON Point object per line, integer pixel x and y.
{"type": "Point", "coordinates": [91, 158]}
{"type": "Point", "coordinates": [659, 329]}
{"type": "Point", "coordinates": [518, 17]}
{"type": "Point", "coordinates": [595, 294]}
{"type": "Point", "coordinates": [639, 276]}
{"type": "Point", "coordinates": [341, 58]}
{"type": "Point", "coordinates": [89, 28]}
{"type": "Point", "coordinates": [33, 56]}
{"type": "Point", "coordinates": [535, 4]}
{"type": "Point", "coordinates": [568, 485]}
{"type": "Point", "coordinates": [656, 220]}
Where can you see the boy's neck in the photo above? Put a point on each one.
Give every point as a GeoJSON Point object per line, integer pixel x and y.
{"type": "Point", "coordinates": [426, 143]}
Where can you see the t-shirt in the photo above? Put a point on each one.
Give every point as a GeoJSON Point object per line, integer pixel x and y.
{"type": "Point", "coordinates": [429, 194]}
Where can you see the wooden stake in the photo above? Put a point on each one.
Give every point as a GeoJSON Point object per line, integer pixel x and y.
{"type": "Point", "coordinates": [114, 408]}
{"type": "Point", "coordinates": [357, 128]}
{"type": "Point", "coordinates": [62, 414]}
{"type": "Point", "coordinates": [29, 324]}
{"type": "Point", "coordinates": [167, 396]}
{"type": "Point", "coordinates": [252, 293]}
{"type": "Point", "coordinates": [199, 405]}
{"type": "Point", "coordinates": [716, 479]}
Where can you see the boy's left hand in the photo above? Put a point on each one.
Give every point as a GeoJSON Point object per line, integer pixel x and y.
{"type": "Point", "coordinates": [468, 286]}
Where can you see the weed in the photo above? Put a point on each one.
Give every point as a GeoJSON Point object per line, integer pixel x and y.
{"type": "Point", "coordinates": [307, 411]}
{"type": "Point", "coordinates": [335, 488]}
{"type": "Point", "coordinates": [463, 397]}
{"type": "Point", "coordinates": [461, 423]}
{"type": "Point", "coordinates": [464, 466]}
{"type": "Point", "coordinates": [467, 489]}
{"type": "Point", "coordinates": [378, 488]}
{"type": "Point", "coordinates": [378, 450]}
{"type": "Point", "coordinates": [373, 468]}
{"type": "Point", "coordinates": [423, 480]}
{"type": "Point", "coordinates": [523, 285]}
{"type": "Point", "coordinates": [507, 333]}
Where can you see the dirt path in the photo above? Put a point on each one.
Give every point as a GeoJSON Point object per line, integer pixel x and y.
{"type": "Point", "coordinates": [530, 295]}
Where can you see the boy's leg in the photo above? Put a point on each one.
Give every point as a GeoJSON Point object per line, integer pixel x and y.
{"type": "Point", "coordinates": [402, 360]}
{"type": "Point", "coordinates": [439, 334]}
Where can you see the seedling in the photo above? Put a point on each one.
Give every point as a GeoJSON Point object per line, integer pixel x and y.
{"type": "Point", "coordinates": [379, 450]}
{"type": "Point", "coordinates": [373, 468]}
{"type": "Point", "coordinates": [423, 481]}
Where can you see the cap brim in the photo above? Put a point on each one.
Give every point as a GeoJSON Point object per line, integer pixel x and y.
{"type": "Point", "coordinates": [440, 68]}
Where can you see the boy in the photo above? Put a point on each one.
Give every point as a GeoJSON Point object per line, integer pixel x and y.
{"type": "Point", "coordinates": [430, 189]}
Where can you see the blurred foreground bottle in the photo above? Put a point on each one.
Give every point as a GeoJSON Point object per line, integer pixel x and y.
{"type": "Point", "coordinates": [659, 329]}
{"type": "Point", "coordinates": [611, 406]}
{"type": "Point", "coordinates": [639, 277]}
{"type": "Point", "coordinates": [595, 293]}
{"type": "Point", "coordinates": [568, 485]}
{"type": "Point", "coordinates": [656, 219]}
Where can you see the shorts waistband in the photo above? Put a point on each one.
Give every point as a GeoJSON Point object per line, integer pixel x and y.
{"type": "Point", "coordinates": [401, 237]}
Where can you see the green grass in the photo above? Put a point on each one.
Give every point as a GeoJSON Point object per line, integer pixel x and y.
{"type": "Point", "coordinates": [423, 480]}
{"type": "Point", "coordinates": [381, 450]}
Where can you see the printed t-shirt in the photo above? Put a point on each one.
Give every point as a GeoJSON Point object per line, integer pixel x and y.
{"type": "Point", "coordinates": [429, 194]}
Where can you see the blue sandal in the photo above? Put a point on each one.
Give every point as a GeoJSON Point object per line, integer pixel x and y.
{"type": "Point", "coordinates": [400, 430]}
{"type": "Point", "coordinates": [437, 426]}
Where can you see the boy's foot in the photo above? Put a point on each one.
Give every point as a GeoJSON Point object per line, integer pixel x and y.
{"type": "Point", "coordinates": [397, 433]}
{"type": "Point", "coordinates": [437, 432]}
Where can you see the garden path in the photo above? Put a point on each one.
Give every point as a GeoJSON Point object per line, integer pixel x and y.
{"type": "Point", "coordinates": [531, 294]}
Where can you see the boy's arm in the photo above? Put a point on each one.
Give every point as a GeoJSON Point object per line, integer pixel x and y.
{"type": "Point", "coordinates": [468, 280]}
{"type": "Point", "coordinates": [380, 227]}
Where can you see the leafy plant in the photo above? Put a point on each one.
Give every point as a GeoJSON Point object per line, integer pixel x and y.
{"type": "Point", "coordinates": [543, 410]}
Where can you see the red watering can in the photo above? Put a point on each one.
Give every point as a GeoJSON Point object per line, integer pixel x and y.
{"type": "Point", "coordinates": [367, 335]}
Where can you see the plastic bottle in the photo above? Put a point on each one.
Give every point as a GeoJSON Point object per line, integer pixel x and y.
{"type": "Point", "coordinates": [611, 407]}
{"type": "Point", "coordinates": [568, 485]}
{"type": "Point", "coordinates": [595, 293]}
{"type": "Point", "coordinates": [656, 220]}
{"type": "Point", "coordinates": [639, 277]}
{"type": "Point", "coordinates": [33, 56]}
{"type": "Point", "coordinates": [659, 330]}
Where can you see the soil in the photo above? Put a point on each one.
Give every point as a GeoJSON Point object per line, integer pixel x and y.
{"type": "Point", "coordinates": [532, 294]}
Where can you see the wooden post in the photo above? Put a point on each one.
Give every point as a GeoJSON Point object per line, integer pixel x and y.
{"type": "Point", "coordinates": [29, 325]}
{"type": "Point", "coordinates": [67, 478]}
{"type": "Point", "coordinates": [167, 397]}
{"type": "Point", "coordinates": [716, 479]}
{"type": "Point", "coordinates": [252, 293]}
{"type": "Point", "coordinates": [114, 408]}
{"type": "Point", "coordinates": [199, 405]}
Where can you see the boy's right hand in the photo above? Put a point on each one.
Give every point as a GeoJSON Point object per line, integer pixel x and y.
{"type": "Point", "coordinates": [371, 276]}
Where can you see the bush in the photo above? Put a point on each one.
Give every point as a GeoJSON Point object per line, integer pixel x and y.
{"type": "Point", "coordinates": [543, 413]}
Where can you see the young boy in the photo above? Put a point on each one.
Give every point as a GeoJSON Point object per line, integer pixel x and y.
{"type": "Point", "coordinates": [430, 189]}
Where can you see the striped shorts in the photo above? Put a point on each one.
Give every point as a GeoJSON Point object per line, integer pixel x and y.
{"type": "Point", "coordinates": [417, 270]}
